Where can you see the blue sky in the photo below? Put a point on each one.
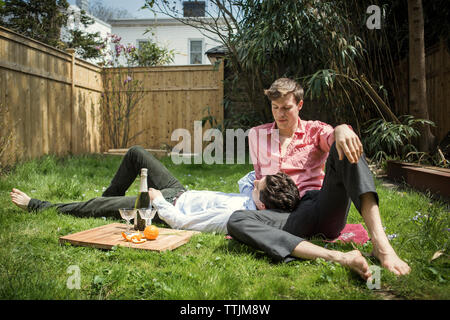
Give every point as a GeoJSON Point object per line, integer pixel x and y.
{"type": "Point", "coordinates": [133, 6]}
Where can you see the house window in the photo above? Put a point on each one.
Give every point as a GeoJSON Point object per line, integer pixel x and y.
{"type": "Point", "coordinates": [195, 51]}
{"type": "Point", "coordinates": [140, 43]}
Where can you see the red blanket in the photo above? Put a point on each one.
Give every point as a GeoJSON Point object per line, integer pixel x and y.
{"type": "Point", "coordinates": [352, 233]}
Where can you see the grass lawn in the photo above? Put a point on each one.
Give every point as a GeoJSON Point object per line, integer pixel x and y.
{"type": "Point", "coordinates": [33, 265]}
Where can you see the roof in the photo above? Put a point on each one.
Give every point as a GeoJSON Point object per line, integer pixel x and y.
{"type": "Point", "coordinates": [217, 50]}
{"type": "Point", "coordinates": [154, 21]}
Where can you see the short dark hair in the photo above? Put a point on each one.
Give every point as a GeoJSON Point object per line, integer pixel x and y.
{"type": "Point", "coordinates": [280, 193]}
{"type": "Point", "coordinates": [282, 87]}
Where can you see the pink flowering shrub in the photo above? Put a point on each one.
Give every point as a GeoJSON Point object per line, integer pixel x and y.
{"type": "Point", "coordinates": [123, 90]}
{"type": "Point", "coordinates": [116, 54]}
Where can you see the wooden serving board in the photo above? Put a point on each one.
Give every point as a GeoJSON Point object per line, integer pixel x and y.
{"type": "Point", "coordinates": [107, 236]}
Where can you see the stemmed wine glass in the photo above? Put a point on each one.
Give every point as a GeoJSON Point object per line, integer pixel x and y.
{"type": "Point", "coordinates": [147, 214]}
{"type": "Point", "coordinates": [128, 214]}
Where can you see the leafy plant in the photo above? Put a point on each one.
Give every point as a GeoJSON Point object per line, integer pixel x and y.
{"type": "Point", "coordinates": [150, 54]}
{"type": "Point", "coordinates": [385, 139]}
{"type": "Point", "coordinates": [47, 21]}
{"type": "Point", "coordinates": [211, 120]}
{"type": "Point", "coordinates": [123, 92]}
{"type": "Point", "coordinates": [85, 43]}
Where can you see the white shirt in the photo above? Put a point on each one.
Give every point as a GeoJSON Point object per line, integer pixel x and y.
{"type": "Point", "coordinates": [206, 210]}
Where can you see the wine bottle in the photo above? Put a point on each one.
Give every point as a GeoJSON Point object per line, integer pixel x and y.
{"type": "Point", "coordinates": [142, 201]}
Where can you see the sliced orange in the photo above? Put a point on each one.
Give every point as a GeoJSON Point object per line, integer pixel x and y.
{"type": "Point", "coordinates": [126, 236]}
{"type": "Point", "coordinates": [137, 236]}
{"type": "Point", "coordinates": [151, 232]}
{"type": "Point", "coordinates": [136, 240]}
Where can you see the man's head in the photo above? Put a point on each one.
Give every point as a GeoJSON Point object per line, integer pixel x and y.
{"type": "Point", "coordinates": [277, 191]}
{"type": "Point", "coordinates": [286, 96]}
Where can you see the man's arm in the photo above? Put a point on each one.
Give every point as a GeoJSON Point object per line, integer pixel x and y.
{"type": "Point", "coordinates": [213, 220]}
{"type": "Point", "coordinates": [167, 211]}
{"type": "Point", "coordinates": [247, 183]}
{"type": "Point", "coordinates": [347, 143]}
{"type": "Point", "coordinates": [253, 148]}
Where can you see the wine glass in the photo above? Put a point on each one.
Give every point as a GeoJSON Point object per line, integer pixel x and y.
{"type": "Point", "coordinates": [147, 214]}
{"type": "Point", "coordinates": [128, 214]}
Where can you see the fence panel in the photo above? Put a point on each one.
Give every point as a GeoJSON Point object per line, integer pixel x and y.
{"type": "Point", "coordinates": [175, 97]}
{"type": "Point", "coordinates": [49, 112]}
{"type": "Point", "coordinates": [438, 88]}
{"type": "Point", "coordinates": [87, 127]}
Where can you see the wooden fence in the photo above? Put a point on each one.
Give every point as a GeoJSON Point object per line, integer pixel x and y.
{"type": "Point", "coordinates": [54, 100]}
{"type": "Point", "coordinates": [175, 97]}
{"type": "Point", "coordinates": [438, 88]}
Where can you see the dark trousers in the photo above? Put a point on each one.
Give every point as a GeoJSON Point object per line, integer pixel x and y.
{"type": "Point", "coordinates": [113, 198]}
{"type": "Point", "coordinates": [320, 212]}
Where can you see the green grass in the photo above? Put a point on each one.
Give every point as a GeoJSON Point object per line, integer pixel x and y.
{"type": "Point", "coordinates": [35, 266]}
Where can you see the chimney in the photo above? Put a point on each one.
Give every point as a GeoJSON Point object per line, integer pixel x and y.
{"type": "Point", "coordinates": [193, 8]}
{"type": "Point", "coordinates": [83, 5]}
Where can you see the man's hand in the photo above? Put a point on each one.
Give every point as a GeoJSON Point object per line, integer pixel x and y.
{"type": "Point", "coordinates": [347, 143]}
{"type": "Point", "coordinates": [153, 193]}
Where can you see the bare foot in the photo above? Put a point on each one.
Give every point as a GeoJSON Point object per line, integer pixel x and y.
{"type": "Point", "coordinates": [19, 198]}
{"type": "Point", "coordinates": [355, 261]}
{"type": "Point", "coordinates": [390, 260]}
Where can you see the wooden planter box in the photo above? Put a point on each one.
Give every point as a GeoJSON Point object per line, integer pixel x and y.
{"type": "Point", "coordinates": [423, 178]}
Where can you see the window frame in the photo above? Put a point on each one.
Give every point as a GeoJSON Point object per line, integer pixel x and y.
{"type": "Point", "coordinates": [201, 53]}
{"type": "Point", "coordinates": [138, 41]}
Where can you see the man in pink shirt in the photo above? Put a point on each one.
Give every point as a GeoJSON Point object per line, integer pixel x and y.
{"type": "Point", "coordinates": [304, 154]}
{"type": "Point", "coordinates": [302, 149]}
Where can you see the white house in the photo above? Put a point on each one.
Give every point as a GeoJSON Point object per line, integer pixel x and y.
{"type": "Point", "coordinates": [98, 26]}
{"type": "Point", "coordinates": [188, 43]}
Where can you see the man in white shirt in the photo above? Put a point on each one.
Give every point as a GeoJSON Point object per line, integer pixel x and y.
{"type": "Point", "coordinates": [210, 210]}
{"type": "Point", "coordinates": [180, 209]}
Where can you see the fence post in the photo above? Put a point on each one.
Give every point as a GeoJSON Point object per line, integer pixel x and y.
{"type": "Point", "coordinates": [71, 51]}
{"type": "Point", "coordinates": [220, 93]}
{"type": "Point", "coordinates": [441, 122]}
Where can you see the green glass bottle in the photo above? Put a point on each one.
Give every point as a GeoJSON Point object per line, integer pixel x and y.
{"type": "Point", "coordinates": [142, 201]}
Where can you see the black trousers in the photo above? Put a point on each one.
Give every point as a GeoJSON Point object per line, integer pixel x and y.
{"type": "Point", "coordinates": [320, 212]}
{"type": "Point", "coordinates": [113, 198]}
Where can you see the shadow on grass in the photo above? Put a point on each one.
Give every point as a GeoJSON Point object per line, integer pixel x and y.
{"type": "Point", "coordinates": [234, 246]}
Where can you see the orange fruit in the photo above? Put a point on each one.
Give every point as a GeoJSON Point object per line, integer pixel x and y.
{"type": "Point", "coordinates": [151, 232]}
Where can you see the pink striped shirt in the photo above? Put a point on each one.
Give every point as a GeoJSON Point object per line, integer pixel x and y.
{"type": "Point", "coordinates": [304, 158]}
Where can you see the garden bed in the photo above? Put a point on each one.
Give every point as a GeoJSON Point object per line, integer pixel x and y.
{"type": "Point", "coordinates": [423, 178]}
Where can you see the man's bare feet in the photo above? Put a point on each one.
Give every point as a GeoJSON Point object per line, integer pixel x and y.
{"type": "Point", "coordinates": [390, 260]}
{"type": "Point", "coordinates": [19, 198]}
{"type": "Point", "coordinates": [355, 261]}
